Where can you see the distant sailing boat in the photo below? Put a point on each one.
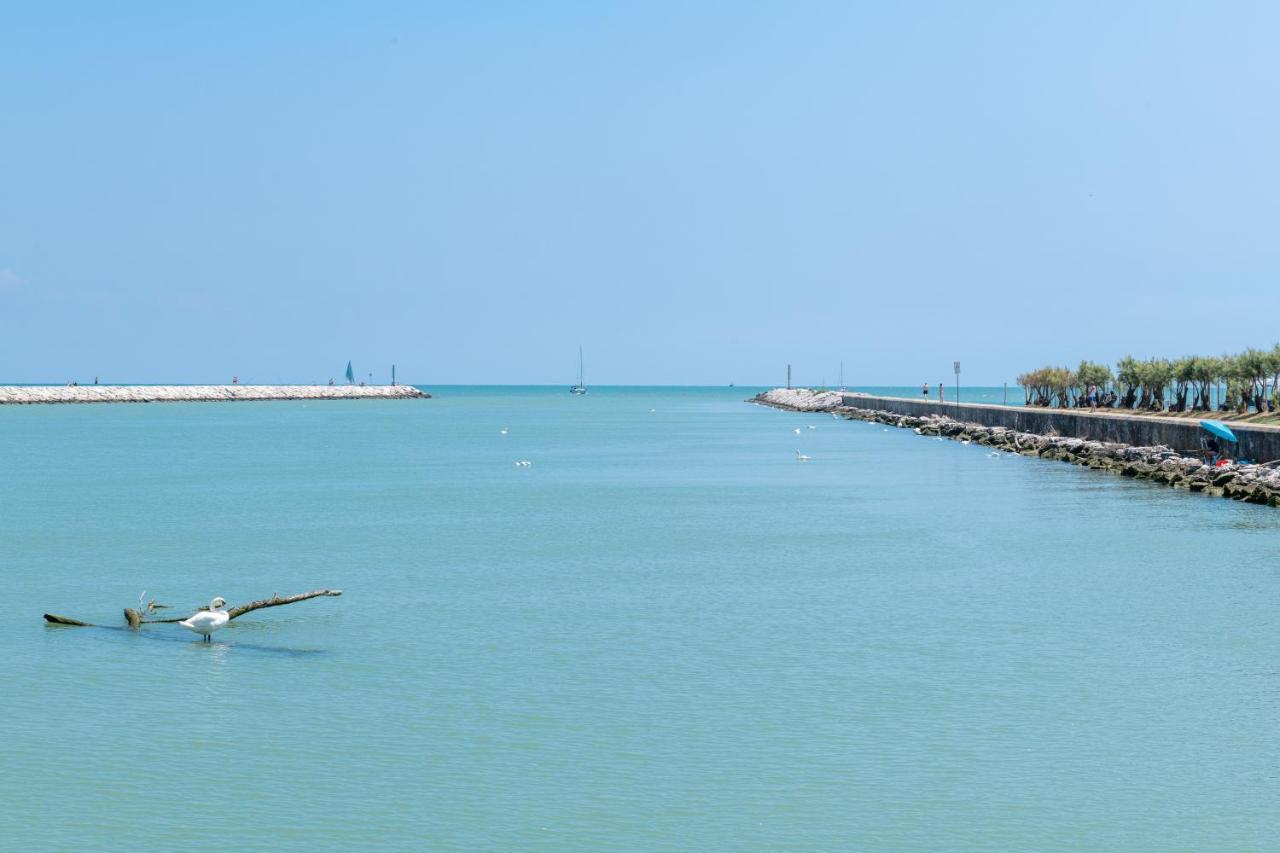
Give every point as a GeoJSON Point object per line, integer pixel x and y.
{"type": "Point", "coordinates": [579, 388]}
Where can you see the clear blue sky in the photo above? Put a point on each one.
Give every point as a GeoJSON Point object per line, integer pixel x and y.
{"type": "Point", "coordinates": [696, 192]}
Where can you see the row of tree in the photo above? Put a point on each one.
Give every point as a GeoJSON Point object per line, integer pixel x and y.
{"type": "Point", "coordinates": [1247, 380]}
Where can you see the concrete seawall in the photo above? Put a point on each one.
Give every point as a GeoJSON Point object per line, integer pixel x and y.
{"type": "Point", "coordinates": [32, 394]}
{"type": "Point", "coordinates": [1260, 443]}
{"type": "Point", "coordinates": [1158, 463]}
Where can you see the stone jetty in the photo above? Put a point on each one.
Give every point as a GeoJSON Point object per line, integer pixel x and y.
{"type": "Point", "coordinates": [1258, 484]}
{"type": "Point", "coordinates": [27, 394]}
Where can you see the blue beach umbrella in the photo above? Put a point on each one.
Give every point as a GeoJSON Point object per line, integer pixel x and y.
{"type": "Point", "coordinates": [1220, 429]}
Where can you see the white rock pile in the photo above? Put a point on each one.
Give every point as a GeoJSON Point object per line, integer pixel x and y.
{"type": "Point", "coordinates": [24, 394]}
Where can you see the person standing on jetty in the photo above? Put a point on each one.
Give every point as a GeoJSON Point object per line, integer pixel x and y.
{"type": "Point", "coordinates": [941, 394]}
{"type": "Point", "coordinates": [926, 389]}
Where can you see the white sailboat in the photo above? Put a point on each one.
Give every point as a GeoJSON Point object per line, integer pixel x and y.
{"type": "Point", "coordinates": [579, 388]}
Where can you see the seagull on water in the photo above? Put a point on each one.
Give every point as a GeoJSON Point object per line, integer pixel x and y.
{"type": "Point", "coordinates": [207, 621]}
{"type": "Point", "coordinates": [502, 431]}
{"type": "Point", "coordinates": [796, 430]}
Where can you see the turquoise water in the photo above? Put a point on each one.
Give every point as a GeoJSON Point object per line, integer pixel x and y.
{"type": "Point", "coordinates": [665, 633]}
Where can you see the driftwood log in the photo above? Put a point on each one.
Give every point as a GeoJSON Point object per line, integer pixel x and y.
{"type": "Point", "coordinates": [134, 619]}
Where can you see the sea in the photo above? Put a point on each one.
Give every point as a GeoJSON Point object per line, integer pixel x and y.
{"type": "Point", "coordinates": [665, 633]}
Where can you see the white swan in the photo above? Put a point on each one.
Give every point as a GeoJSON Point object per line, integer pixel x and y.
{"type": "Point", "coordinates": [811, 426]}
{"type": "Point", "coordinates": [207, 621]}
{"type": "Point", "coordinates": [796, 430]}
{"type": "Point", "coordinates": [800, 457]}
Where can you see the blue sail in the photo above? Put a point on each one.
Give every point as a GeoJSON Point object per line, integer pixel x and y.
{"type": "Point", "coordinates": [351, 377]}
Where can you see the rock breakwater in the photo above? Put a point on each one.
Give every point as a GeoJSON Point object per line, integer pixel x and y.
{"type": "Point", "coordinates": [1258, 484]}
{"type": "Point", "coordinates": [32, 394]}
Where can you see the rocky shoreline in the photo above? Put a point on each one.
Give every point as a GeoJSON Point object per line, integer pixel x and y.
{"type": "Point", "coordinates": [1258, 484]}
{"type": "Point", "coordinates": [36, 394]}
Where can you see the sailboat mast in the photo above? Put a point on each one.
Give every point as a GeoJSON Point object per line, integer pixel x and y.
{"type": "Point", "coordinates": [580, 385]}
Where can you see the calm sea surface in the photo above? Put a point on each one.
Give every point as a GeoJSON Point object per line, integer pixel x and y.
{"type": "Point", "coordinates": [665, 633]}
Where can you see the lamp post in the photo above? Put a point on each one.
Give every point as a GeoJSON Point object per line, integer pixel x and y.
{"type": "Point", "coordinates": [957, 390]}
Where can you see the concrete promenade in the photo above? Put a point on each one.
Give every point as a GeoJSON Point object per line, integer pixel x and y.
{"type": "Point", "coordinates": [1261, 443]}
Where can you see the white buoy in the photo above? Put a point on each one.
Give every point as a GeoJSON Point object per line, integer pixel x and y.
{"type": "Point", "coordinates": [207, 621]}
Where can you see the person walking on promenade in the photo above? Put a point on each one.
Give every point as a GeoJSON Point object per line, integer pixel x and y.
{"type": "Point", "coordinates": [1093, 398]}
{"type": "Point", "coordinates": [941, 394]}
{"type": "Point", "coordinates": [926, 389]}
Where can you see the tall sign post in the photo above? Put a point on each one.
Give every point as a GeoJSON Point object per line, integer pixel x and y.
{"type": "Point", "coordinates": [788, 377]}
{"type": "Point", "coordinates": [957, 390]}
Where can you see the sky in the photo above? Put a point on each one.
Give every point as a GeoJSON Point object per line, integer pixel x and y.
{"type": "Point", "coordinates": [697, 193]}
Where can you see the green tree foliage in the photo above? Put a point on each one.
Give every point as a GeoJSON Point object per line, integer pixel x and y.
{"type": "Point", "coordinates": [1240, 382]}
{"type": "Point", "coordinates": [1050, 386]}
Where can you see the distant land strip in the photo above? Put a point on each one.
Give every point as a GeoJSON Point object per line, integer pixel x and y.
{"type": "Point", "coordinates": [32, 394]}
